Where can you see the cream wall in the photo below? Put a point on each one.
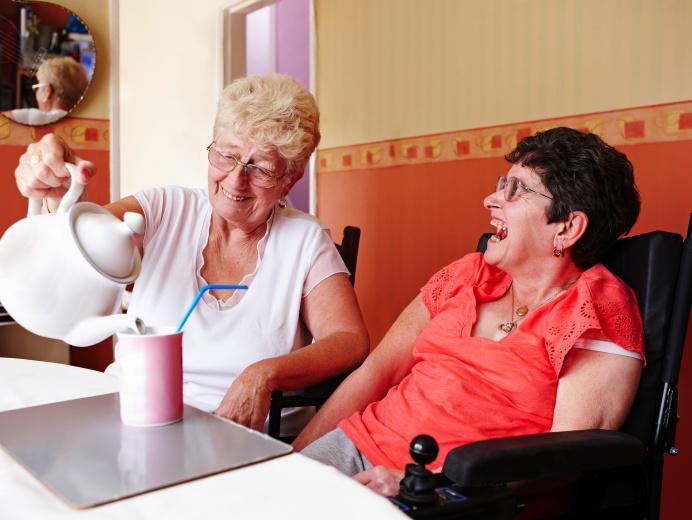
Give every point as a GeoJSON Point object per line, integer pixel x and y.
{"type": "Point", "coordinates": [95, 14]}
{"type": "Point", "coordinates": [170, 77]}
{"type": "Point", "coordinates": [396, 68]}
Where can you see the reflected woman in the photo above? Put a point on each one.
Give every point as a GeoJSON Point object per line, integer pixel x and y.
{"type": "Point", "coordinates": [61, 84]}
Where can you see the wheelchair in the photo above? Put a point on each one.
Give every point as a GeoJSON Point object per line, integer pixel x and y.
{"type": "Point", "coordinates": [589, 474]}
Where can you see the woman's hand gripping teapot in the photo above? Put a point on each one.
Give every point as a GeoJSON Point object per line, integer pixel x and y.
{"type": "Point", "coordinates": [62, 275]}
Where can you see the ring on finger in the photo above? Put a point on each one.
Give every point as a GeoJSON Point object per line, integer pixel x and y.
{"type": "Point", "coordinates": [35, 159]}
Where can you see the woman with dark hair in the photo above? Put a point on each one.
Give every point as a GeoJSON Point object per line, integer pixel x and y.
{"type": "Point", "coordinates": [585, 174]}
{"type": "Point", "coordinates": [532, 336]}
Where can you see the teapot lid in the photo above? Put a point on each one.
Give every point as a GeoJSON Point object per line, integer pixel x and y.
{"type": "Point", "coordinates": [106, 242]}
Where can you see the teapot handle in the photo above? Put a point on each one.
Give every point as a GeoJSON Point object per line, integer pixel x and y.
{"type": "Point", "coordinates": [68, 200]}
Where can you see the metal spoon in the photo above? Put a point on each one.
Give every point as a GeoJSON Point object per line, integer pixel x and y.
{"type": "Point", "coordinates": [140, 328]}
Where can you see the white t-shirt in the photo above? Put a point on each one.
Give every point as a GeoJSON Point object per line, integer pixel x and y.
{"type": "Point", "coordinates": [222, 338]}
{"type": "Point", "coordinates": [34, 116]}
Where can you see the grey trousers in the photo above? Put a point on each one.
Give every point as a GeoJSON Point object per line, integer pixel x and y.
{"type": "Point", "coordinates": [335, 449]}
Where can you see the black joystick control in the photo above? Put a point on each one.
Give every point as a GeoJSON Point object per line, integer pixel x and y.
{"type": "Point", "coordinates": [418, 486]}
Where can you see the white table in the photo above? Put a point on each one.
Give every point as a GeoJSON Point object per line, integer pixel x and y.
{"type": "Point", "coordinates": [287, 487]}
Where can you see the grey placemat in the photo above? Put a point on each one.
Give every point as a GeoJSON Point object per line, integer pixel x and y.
{"type": "Point", "coordinates": [81, 451]}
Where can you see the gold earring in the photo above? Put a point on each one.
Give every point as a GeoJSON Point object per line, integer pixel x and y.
{"type": "Point", "coordinates": [558, 253]}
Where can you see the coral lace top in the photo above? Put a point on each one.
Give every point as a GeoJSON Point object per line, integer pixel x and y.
{"type": "Point", "coordinates": [463, 389]}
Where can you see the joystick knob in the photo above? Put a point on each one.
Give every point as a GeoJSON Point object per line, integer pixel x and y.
{"type": "Point", "coordinates": [418, 486]}
{"type": "Point", "coordinates": [423, 449]}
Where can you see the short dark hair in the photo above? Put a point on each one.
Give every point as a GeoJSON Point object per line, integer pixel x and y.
{"type": "Point", "coordinates": [583, 173]}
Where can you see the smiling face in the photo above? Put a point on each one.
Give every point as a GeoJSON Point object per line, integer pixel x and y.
{"type": "Point", "coordinates": [233, 198]}
{"type": "Point", "coordinates": [523, 238]}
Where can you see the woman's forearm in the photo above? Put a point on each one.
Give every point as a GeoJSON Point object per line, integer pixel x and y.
{"type": "Point", "coordinates": [247, 401]}
{"type": "Point", "coordinates": [359, 389]}
{"type": "Point", "coordinates": [333, 355]}
{"type": "Point", "coordinates": [386, 366]}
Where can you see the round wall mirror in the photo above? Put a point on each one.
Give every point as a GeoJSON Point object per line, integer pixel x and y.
{"type": "Point", "coordinates": [47, 60]}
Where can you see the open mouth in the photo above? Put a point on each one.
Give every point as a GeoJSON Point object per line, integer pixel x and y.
{"type": "Point", "coordinates": [235, 198]}
{"type": "Point", "coordinates": [500, 230]}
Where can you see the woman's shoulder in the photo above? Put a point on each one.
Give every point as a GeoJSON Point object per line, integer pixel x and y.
{"type": "Point", "coordinates": [174, 195]}
{"type": "Point", "coordinates": [602, 283]}
{"type": "Point", "coordinates": [463, 269]}
{"type": "Point", "coordinates": [294, 214]}
{"type": "Point", "coordinates": [294, 220]}
{"type": "Point", "coordinates": [188, 193]}
{"type": "Point", "coordinates": [34, 116]}
{"type": "Point", "coordinates": [469, 271]}
{"type": "Point", "coordinates": [599, 295]}
{"type": "Point", "coordinates": [172, 203]}
{"type": "Point", "coordinates": [599, 302]}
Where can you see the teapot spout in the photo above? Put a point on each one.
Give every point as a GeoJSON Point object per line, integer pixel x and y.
{"type": "Point", "coordinates": [94, 330]}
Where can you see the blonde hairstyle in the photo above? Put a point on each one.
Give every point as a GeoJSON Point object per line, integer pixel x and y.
{"type": "Point", "coordinates": [273, 111]}
{"type": "Point", "coordinates": [66, 76]}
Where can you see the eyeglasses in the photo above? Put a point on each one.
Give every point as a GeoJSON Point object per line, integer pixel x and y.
{"type": "Point", "coordinates": [256, 175]}
{"type": "Point", "coordinates": [38, 86]}
{"type": "Point", "coordinates": [510, 186]}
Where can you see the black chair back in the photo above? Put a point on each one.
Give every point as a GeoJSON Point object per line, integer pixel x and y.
{"type": "Point", "coordinates": [348, 249]}
{"type": "Point", "coordinates": [649, 264]}
{"type": "Point", "coordinates": [681, 313]}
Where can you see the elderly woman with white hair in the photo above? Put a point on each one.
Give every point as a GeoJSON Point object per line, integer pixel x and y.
{"type": "Point", "coordinates": [238, 346]}
{"type": "Point", "coordinates": [61, 84]}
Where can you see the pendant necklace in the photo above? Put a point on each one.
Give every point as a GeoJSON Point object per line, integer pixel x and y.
{"type": "Point", "coordinates": [523, 310]}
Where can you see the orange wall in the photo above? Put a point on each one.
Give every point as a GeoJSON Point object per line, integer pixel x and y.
{"type": "Point", "coordinates": [90, 140]}
{"type": "Point", "coordinates": [88, 137]}
{"type": "Point", "coordinates": [418, 204]}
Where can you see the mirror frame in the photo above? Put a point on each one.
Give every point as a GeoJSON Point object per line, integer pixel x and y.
{"type": "Point", "coordinates": [41, 55]}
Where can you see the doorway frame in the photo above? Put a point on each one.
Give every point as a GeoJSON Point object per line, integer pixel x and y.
{"type": "Point", "coordinates": [232, 28]}
{"type": "Point", "coordinates": [114, 90]}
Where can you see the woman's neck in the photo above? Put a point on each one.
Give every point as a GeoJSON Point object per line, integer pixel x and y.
{"type": "Point", "coordinates": [50, 104]}
{"type": "Point", "coordinates": [223, 232]}
{"type": "Point", "coordinates": [533, 288]}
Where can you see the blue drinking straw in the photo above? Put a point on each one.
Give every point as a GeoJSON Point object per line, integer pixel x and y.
{"type": "Point", "coordinates": [199, 296]}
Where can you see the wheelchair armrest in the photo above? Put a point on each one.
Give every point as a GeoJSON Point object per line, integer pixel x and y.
{"type": "Point", "coordinates": [324, 389]}
{"type": "Point", "coordinates": [509, 459]}
{"type": "Point", "coordinates": [315, 395]}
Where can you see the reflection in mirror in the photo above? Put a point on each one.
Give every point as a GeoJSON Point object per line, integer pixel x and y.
{"type": "Point", "coordinates": [47, 60]}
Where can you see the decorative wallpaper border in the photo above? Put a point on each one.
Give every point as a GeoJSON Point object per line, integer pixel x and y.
{"type": "Point", "coordinates": [669, 122]}
{"type": "Point", "coordinates": [79, 133]}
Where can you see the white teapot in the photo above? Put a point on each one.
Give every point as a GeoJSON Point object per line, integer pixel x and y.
{"type": "Point", "coordinates": [62, 275]}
